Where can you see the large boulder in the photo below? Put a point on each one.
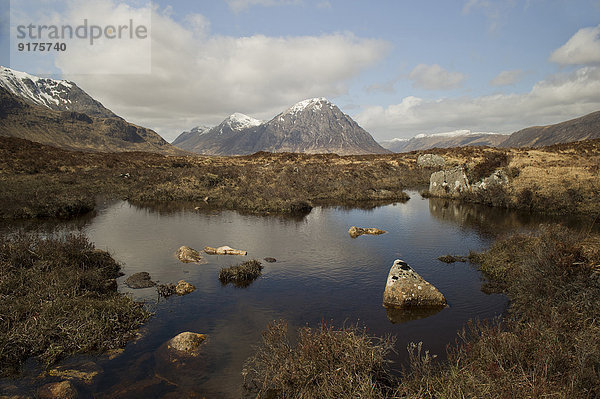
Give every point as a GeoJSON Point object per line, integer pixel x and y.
{"type": "Point", "coordinates": [450, 182]}
{"type": "Point", "coordinates": [224, 250]}
{"type": "Point", "coordinates": [430, 161]}
{"type": "Point", "coordinates": [359, 231]}
{"type": "Point", "coordinates": [406, 289]}
{"type": "Point", "coordinates": [189, 255]}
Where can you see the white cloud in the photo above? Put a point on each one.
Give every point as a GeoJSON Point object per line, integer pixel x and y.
{"type": "Point", "coordinates": [507, 78]}
{"type": "Point", "coordinates": [583, 48]}
{"type": "Point", "coordinates": [434, 77]}
{"type": "Point", "coordinates": [200, 80]}
{"type": "Point", "coordinates": [241, 5]}
{"type": "Point", "coordinates": [558, 98]}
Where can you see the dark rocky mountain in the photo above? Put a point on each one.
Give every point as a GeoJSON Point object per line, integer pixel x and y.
{"type": "Point", "coordinates": [310, 126]}
{"type": "Point", "coordinates": [74, 130]}
{"type": "Point", "coordinates": [583, 128]}
{"type": "Point", "coordinates": [59, 95]}
{"type": "Point", "coordinates": [459, 138]}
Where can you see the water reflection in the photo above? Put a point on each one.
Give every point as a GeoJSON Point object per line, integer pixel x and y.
{"type": "Point", "coordinates": [320, 274]}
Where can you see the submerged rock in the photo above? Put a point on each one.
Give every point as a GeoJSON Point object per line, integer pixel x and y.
{"type": "Point", "coordinates": [430, 160]}
{"type": "Point", "coordinates": [224, 250]}
{"type": "Point", "coordinates": [405, 288]}
{"type": "Point", "coordinates": [181, 356]}
{"type": "Point", "coordinates": [359, 231]}
{"type": "Point", "coordinates": [139, 280]}
{"type": "Point", "coordinates": [58, 390]}
{"type": "Point", "coordinates": [450, 182]}
{"type": "Point", "coordinates": [86, 372]}
{"type": "Point", "coordinates": [189, 255]}
{"type": "Point", "coordinates": [183, 288]}
{"type": "Point", "coordinates": [270, 260]}
{"type": "Point", "coordinates": [187, 343]}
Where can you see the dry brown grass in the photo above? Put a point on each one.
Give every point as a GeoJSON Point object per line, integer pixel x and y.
{"type": "Point", "coordinates": [42, 181]}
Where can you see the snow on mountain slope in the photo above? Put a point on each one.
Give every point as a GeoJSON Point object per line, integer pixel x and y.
{"type": "Point", "coordinates": [60, 95]}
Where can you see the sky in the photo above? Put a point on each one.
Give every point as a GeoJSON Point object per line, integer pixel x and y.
{"type": "Point", "coordinates": [399, 68]}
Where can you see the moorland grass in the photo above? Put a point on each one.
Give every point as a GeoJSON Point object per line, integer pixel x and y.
{"type": "Point", "coordinates": [58, 297]}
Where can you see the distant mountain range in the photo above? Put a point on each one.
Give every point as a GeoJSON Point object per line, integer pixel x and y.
{"type": "Point", "coordinates": [583, 128]}
{"type": "Point", "coordinates": [59, 113]}
{"type": "Point", "coordinates": [310, 126]}
{"type": "Point", "coordinates": [458, 138]}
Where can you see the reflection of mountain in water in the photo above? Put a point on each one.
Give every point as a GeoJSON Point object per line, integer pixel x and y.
{"type": "Point", "coordinates": [491, 221]}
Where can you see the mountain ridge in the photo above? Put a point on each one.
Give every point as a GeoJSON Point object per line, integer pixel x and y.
{"type": "Point", "coordinates": [310, 126]}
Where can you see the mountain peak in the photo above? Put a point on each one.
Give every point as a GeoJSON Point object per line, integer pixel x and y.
{"type": "Point", "coordinates": [58, 95]}
{"type": "Point", "coordinates": [316, 104]}
{"type": "Point", "coordinates": [239, 121]}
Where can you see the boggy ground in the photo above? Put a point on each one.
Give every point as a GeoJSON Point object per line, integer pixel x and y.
{"type": "Point", "coordinates": [43, 181]}
{"type": "Point", "coordinates": [548, 345]}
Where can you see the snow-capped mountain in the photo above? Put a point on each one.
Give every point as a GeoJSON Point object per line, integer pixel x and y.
{"type": "Point", "coordinates": [60, 95]}
{"type": "Point", "coordinates": [58, 113]}
{"type": "Point", "coordinates": [311, 126]}
{"type": "Point", "coordinates": [456, 138]}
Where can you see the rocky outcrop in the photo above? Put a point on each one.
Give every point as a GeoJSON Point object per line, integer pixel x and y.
{"type": "Point", "coordinates": [139, 280]}
{"type": "Point", "coordinates": [58, 390]}
{"type": "Point", "coordinates": [189, 255]}
{"type": "Point", "coordinates": [359, 231]}
{"type": "Point", "coordinates": [450, 182]}
{"type": "Point", "coordinates": [224, 250]}
{"type": "Point", "coordinates": [498, 178]}
{"type": "Point", "coordinates": [430, 161]}
{"type": "Point", "coordinates": [184, 288]}
{"type": "Point", "coordinates": [406, 289]}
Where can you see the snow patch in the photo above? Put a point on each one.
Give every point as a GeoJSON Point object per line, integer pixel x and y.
{"type": "Point", "coordinates": [316, 104]}
{"type": "Point", "coordinates": [239, 121]}
{"type": "Point", "coordinates": [42, 91]}
{"type": "Point", "coordinates": [454, 133]}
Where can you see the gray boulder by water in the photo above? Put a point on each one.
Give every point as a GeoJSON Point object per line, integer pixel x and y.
{"type": "Point", "coordinates": [430, 161]}
{"type": "Point", "coordinates": [405, 288]}
{"type": "Point", "coordinates": [498, 178]}
{"type": "Point", "coordinates": [450, 182]}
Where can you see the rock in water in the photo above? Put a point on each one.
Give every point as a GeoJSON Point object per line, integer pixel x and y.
{"type": "Point", "coordinates": [183, 288]}
{"type": "Point", "coordinates": [187, 343]}
{"type": "Point", "coordinates": [406, 289]}
{"type": "Point", "coordinates": [450, 182]}
{"type": "Point", "coordinates": [359, 231]}
{"type": "Point", "coordinates": [189, 255]}
{"type": "Point", "coordinates": [182, 358]}
{"type": "Point", "coordinates": [224, 250]}
{"type": "Point", "coordinates": [139, 280]}
{"type": "Point", "coordinates": [58, 390]}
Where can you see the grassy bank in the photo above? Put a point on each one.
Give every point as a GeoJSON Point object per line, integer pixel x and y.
{"type": "Point", "coordinates": [547, 346]}
{"type": "Point", "coordinates": [560, 179]}
{"type": "Point", "coordinates": [42, 181]}
{"type": "Point", "coordinates": [58, 297]}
